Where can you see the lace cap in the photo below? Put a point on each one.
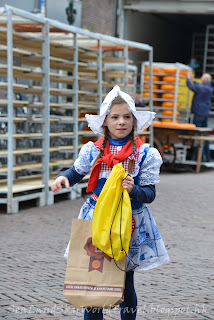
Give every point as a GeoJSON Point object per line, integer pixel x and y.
{"type": "Point", "coordinates": [95, 122]}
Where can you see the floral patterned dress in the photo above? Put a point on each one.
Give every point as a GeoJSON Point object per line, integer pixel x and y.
{"type": "Point", "coordinates": [146, 248]}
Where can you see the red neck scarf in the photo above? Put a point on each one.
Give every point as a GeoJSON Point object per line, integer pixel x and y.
{"type": "Point", "coordinates": [109, 159]}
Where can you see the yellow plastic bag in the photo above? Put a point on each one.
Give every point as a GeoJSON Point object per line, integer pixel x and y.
{"type": "Point", "coordinates": [112, 219]}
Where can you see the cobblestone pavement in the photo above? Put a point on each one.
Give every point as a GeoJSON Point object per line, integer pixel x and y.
{"type": "Point", "coordinates": [33, 269]}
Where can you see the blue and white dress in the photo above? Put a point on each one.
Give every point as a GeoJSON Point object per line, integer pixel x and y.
{"type": "Point", "coordinates": [146, 248]}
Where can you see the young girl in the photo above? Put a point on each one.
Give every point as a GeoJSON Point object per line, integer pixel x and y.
{"type": "Point", "coordinates": [117, 121]}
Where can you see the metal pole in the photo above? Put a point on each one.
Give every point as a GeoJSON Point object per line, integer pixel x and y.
{"type": "Point", "coordinates": [176, 92]}
{"type": "Point", "coordinates": [126, 56]}
{"type": "Point", "coordinates": [125, 36]}
{"type": "Point", "coordinates": [151, 92]}
{"type": "Point", "coordinates": [120, 22]}
{"type": "Point", "coordinates": [206, 49]}
{"type": "Point", "coordinates": [75, 96]}
{"type": "Point", "coordinates": [188, 106]}
{"type": "Point", "coordinates": [142, 74]}
{"type": "Point", "coordinates": [46, 107]}
{"type": "Point", "coordinates": [134, 83]}
{"type": "Point", "coordinates": [99, 74]}
{"type": "Point", "coordinates": [46, 7]}
{"type": "Point", "coordinates": [10, 112]}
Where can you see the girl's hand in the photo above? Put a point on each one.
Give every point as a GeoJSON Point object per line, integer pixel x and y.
{"type": "Point", "coordinates": [57, 184]}
{"type": "Point", "coordinates": [128, 183]}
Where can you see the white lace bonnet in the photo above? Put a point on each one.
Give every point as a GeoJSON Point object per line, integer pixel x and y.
{"type": "Point", "coordinates": [95, 122]}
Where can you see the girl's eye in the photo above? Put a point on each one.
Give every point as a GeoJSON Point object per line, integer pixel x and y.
{"type": "Point", "coordinates": [114, 117]}
{"type": "Point", "coordinates": [127, 117]}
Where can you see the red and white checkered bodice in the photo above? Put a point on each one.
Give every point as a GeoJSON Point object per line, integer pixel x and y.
{"type": "Point", "coordinates": [114, 150]}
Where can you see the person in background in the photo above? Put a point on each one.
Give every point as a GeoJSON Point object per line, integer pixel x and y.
{"type": "Point", "coordinates": [138, 100]}
{"type": "Point", "coordinates": [201, 103]}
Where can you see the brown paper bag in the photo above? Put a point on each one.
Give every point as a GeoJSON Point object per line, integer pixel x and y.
{"type": "Point", "coordinates": [92, 279]}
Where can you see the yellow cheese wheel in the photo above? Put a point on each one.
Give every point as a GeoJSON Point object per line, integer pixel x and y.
{"type": "Point", "coordinates": [187, 125]}
{"type": "Point", "coordinates": [183, 73]}
{"type": "Point", "coordinates": [168, 104]}
{"type": "Point", "coordinates": [168, 96]}
{"type": "Point", "coordinates": [154, 70]}
{"type": "Point", "coordinates": [170, 113]}
{"type": "Point", "coordinates": [166, 120]}
{"type": "Point", "coordinates": [168, 87]}
{"type": "Point", "coordinates": [154, 86]}
{"type": "Point", "coordinates": [169, 78]}
{"type": "Point", "coordinates": [156, 123]}
{"type": "Point", "coordinates": [170, 70]}
{"type": "Point", "coordinates": [169, 122]}
{"type": "Point", "coordinates": [146, 94]}
{"type": "Point", "coordinates": [154, 78]}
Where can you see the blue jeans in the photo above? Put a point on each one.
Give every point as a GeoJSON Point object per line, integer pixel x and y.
{"type": "Point", "coordinates": [202, 121]}
{"type": "Point", "coordinates": [128, 308]}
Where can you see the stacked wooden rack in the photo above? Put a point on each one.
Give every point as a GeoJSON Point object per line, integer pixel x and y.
{"type": "Point", "coordinates": [48, 82]}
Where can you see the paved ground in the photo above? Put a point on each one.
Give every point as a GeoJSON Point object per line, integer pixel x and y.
{"type": "Point", "coordinates": [33, 242]}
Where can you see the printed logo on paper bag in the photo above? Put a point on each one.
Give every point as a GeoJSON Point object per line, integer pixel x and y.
{"type": "Point", "coordinates": [96, 256]}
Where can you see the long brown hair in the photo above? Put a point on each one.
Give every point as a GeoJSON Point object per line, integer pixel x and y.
{"type": "Point", "coordinates": [118, 100]}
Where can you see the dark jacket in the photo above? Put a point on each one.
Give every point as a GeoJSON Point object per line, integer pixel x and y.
{"type": "Point", "coordinates": [139, 104]}
{"type": "Point", "coordinates": [201, 102]}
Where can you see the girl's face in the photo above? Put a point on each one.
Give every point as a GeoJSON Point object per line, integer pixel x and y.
{"type": "Point", "coordinates": [119, 121]}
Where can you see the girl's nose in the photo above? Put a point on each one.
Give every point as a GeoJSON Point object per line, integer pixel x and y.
{"type": "Point", "coordinates": [121, 120]}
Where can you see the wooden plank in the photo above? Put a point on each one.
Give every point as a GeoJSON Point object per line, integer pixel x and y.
{"type": "Point", "coordinates": [59, 50]}
{"type": "Point", "coordinates": [52, 105]}
{"type": "Point", "coordinates": [16, 103]}
{"type": "Point", "coordinates": [143, 133]}
{"type": "Point", "coordinates": [39, 135]}
{"type": "Point", "coordinates": [109, 59]}
{"type": "Point", "coordinates": [31, 59]}
{"type": "Point", "coordinates": [32, 42]}
{"type": "Point", "coordinates": [63, 64]}
{"type": "Point", "coordinates": [39, 119]}
{"type": "Point", "coordinates": [61, 134]}
{"type": "Point", "coordinates": [87, 133]}
{"type": "Point", "coordinates": [93, 56]}
{"type": "Point", "coordinates": [23, 186]}
{"type": "Point", "coordinates": [65, 105]}
{"type": "Point", "coordinates": [88, 103]}
{"type": "Point", "coordinates": [23, 135]}
{"type": "Point", "coordinates": [88, 57]}
{"type": "Point", "coordinates": [197, 138]}
{"type": "Point", "coordinates": [195, 130]}
{"type": "Point", "coordinates": [23, 119]}
{"type": "Point", "coordinates": [24, 166]}
{"type": "Point", "coordinates": [31, 74]}
{"type": "Point", "coordinates": [21, 88]}
{"type": "Point", "coordinates": [60, 162]}
{"type": "Point", "coordinates": [35, 150]}
{"type": "Point", "coordinates": [84, 73]}
{"type": "Point", "coordinates": [16, 52]}
{"type": "Point", "coordinates": [3, 69]}
{"type": "Point", "coordinates": [15, 119]}
{"type": "Point", "coordinates": [114, 74]}
{"type": "Point", "coordinates": [36, 165]}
